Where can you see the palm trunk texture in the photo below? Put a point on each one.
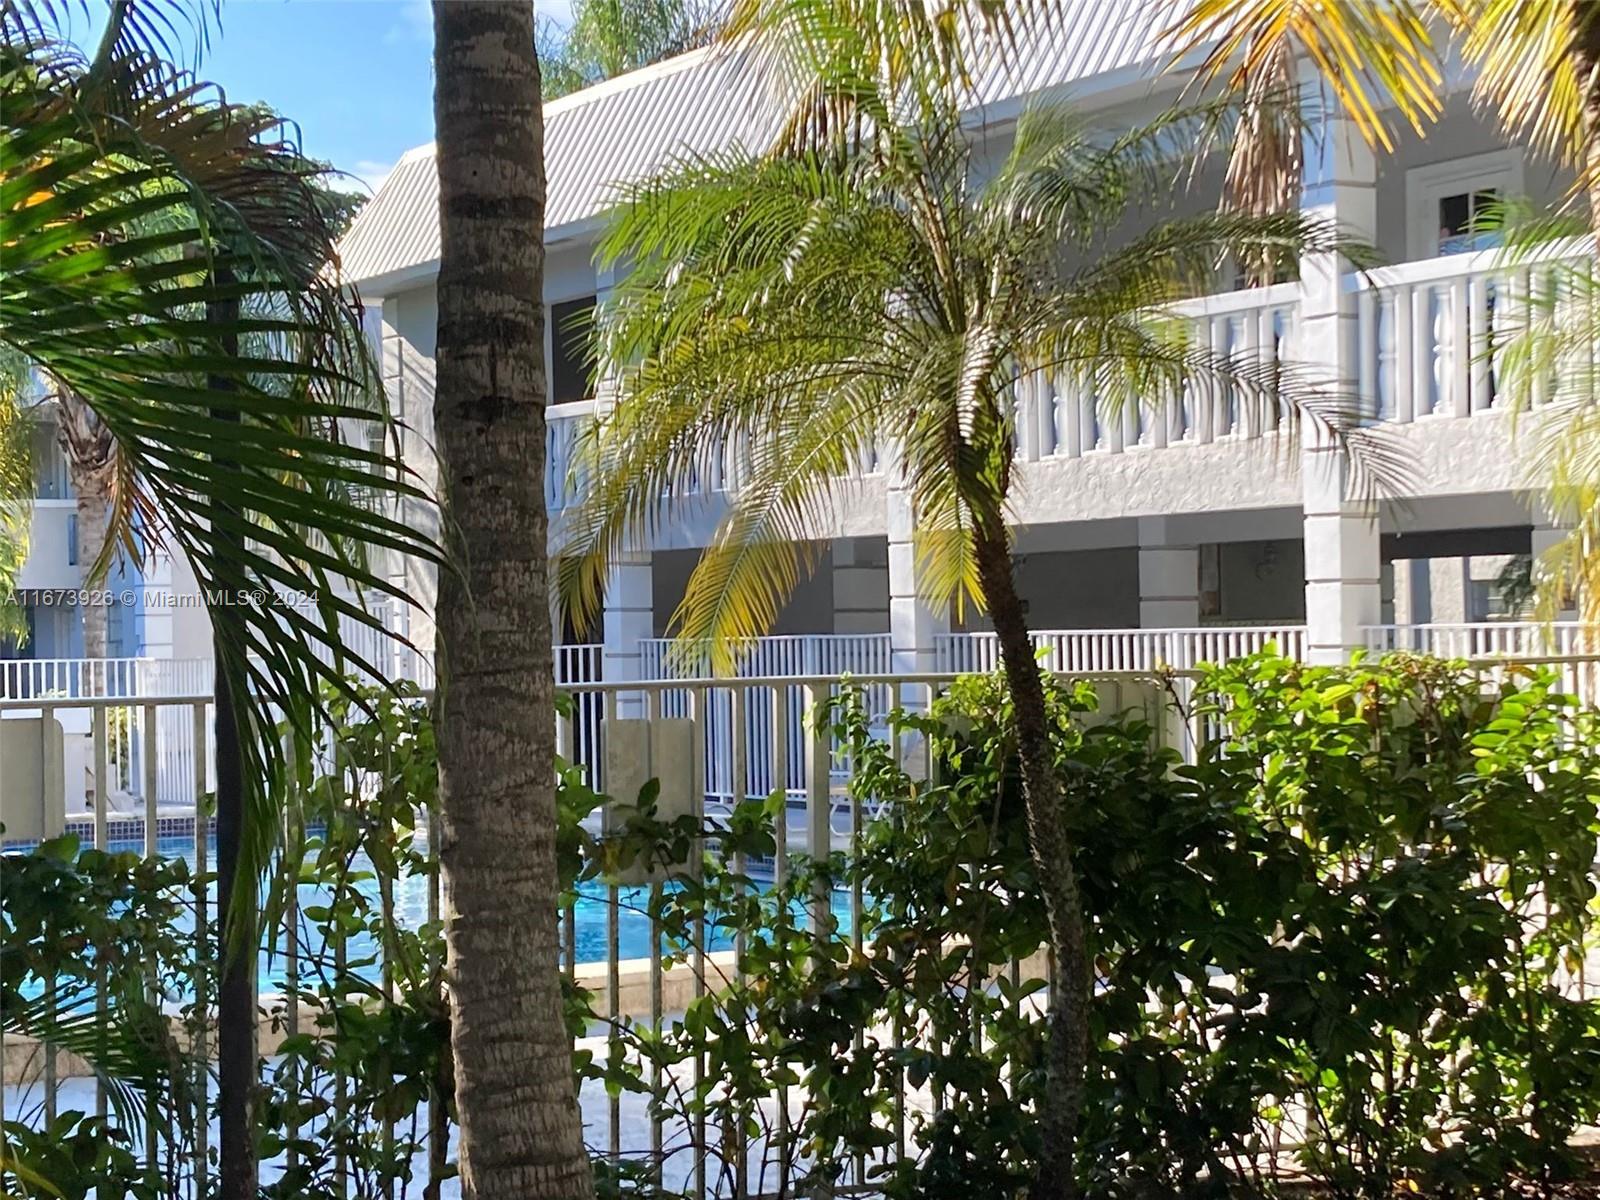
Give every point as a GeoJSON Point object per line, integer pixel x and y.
{"type": "Point", "coordinates": [91, 462]}
{"type": "Point", "coordinates": [1067, 1046]}
{"type": "Point", "coordinates": [94, 517]}
{"type": "Point", "coordinates": [521, 1132]}
{"type": "Point", "coordinates": [237, 918]}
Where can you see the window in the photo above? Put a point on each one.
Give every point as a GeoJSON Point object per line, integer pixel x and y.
{"type": "Point", "coordinates": [1467, 220]}
{"type": "Point", "coordinates": [571, 358]}
{"type": "Point", "coordinates": [1451, 205]}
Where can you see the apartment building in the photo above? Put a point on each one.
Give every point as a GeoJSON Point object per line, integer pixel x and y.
{"type": "Point", "coordinates": [1193, 514]}
{"type": "Point", "coordinates": [151, 605]}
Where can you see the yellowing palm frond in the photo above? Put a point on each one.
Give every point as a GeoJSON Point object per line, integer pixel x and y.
{"type": "Point", "coordinates": [1533, 72]}
{"type": "Point", "coordinates": [1372, 54]}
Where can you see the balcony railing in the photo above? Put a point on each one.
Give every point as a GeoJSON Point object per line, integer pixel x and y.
{"type": "Point", "coordinates": [1063, 415]}
{"type": "Point", "coordinates": [1432, 334]}
{"type": "Point", "coordinates": [1096, 650]}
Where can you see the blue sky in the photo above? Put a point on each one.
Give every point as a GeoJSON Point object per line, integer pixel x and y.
{"type": "Point", "coordinates": [357, 75]}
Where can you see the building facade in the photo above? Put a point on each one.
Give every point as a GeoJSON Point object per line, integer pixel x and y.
{"type": "Point", "coordinates": [1192, 513]}
{"type": "Point", "coordinates": [152, 609]}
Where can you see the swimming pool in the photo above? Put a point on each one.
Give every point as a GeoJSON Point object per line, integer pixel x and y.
{"type": "Point", "coordinates": [411, 911]}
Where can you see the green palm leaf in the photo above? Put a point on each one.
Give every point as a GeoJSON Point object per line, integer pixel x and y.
{"type": "Point", "coordinates": [165, 258]}
{"type": "Point", "coordinates": [819, 306]}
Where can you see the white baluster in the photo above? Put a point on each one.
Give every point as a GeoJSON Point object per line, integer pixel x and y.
{"type": "Point", "coordinates": [1423, 351]}
{"type": "Point", "coordinates": [1460, 378]}
{"type": "Point", "coordinates": [1479, 293]}
{"type": "Point", "coordinates": [1069, 422]}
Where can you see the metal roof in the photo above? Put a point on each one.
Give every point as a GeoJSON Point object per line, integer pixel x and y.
{"type": "Point", "coordinates": [704, 102]}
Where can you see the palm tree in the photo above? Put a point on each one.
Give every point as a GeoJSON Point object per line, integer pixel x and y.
{"type": "Point", "coordinates": [167, 261]}
{"type": "Point", "coordinates": [813, 306]}
{"type": "Point", "coordinates": [91, 454]}
{"type": "Point", "coordinates": [609, 37]}
{"type": "Point", "coordinates": [521, 1131]}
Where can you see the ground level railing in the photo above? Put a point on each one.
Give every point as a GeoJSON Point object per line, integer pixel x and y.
{"type": "Point", "coordinates": [626, 732]}
{"type": "Point", "coordinates": [133, 682]}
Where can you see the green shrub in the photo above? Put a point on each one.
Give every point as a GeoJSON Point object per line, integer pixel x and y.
{"type": "Point", "coordinates": [1340, 944]}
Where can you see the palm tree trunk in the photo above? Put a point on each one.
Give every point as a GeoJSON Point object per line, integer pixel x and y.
{"type": "Point", "coordinates": [94, 517]}
{"type": "Point", "coordinates": [237, 1050]}
{"type": "Point", "coordinates": [521, 1131]}
{"type": "Point", "coordinates": [1066, 1048]}
{"type": "Point", "coordinates": [91, 463]}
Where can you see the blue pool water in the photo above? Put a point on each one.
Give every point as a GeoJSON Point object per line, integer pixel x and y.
{"type": "Point", "coordinates": [411, 911]}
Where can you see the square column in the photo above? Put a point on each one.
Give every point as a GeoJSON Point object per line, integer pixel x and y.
{"type": "Point", "coordinates": [860, 587]}
{"type": "Point", "coordinates": [1344, 588]}
{"type": "Point", "coordinates": [913, 625]}
{"type": "Point", "coordinates": [1169, 578]}
{"type": "Point", "coordinates": [1545, 546]}
{"type": "Point", "coordinates": [627, 618]}
{"type": "Point", "coordinates": [1343, 564]}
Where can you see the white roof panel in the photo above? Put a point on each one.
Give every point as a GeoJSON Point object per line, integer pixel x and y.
{"type": "Point", "coordinates": [701, 103]}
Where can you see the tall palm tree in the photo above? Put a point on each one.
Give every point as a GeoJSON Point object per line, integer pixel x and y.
{"type": "Point", "coordinates": [606, 38]}
{"type": "Point", "coordinates": [167, 261]}
{"type": "Point", "coordinates": [91, 454]}
{"type": "Point", "coordinates": [814, 306]}
{"type": "Point", "coordinates": [521, 1131]}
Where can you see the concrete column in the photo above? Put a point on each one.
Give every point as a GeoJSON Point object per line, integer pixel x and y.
{"type": "Point", "coordinates": [1544, 547]}
{"type": "Point", "coordinates": [1343, 565]}
{"type": "Point", "coordinates": [1449, 590]}
{"type": "Point", "coordinates": [860, 586]}
{"type": "Point", "coordinates": [1169, 578]}
{"type": "Point", "coordinates": [913, 625]}
{"type": "Point", "coordinates": [160, 616]}
{"type": "Point", "coordinates": [1343, 573]}
{"type": "Point", "coordinates": [626, 619]}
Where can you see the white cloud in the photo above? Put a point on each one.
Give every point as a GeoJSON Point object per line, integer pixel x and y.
{"type": "Point", "coordinates": [414, 23]}
{"type": "Point", "coordinates": [371, 172]}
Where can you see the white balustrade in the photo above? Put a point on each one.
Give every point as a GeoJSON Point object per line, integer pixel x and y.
{"type": "Point", "coordinates": [1247, 333]}
{"type": "Point", "coordinates": [563, 480]}
{"type": "Point", "coordinates": [1095, 651]}
{"type": "Point", "coordinates": [1433, 334]}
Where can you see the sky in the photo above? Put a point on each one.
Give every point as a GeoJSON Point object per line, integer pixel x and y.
{"type": "Point", "coordinates": [356, 75]}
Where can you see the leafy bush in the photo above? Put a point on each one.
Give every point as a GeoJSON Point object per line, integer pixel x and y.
{"type": "Point", "coordinates": [89, 948]}
{"type": "Point", "coordinates": [1342, 942]}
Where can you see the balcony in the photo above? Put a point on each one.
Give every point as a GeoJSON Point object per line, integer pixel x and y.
{"type": "Point", "coordinates": [1426, 342]}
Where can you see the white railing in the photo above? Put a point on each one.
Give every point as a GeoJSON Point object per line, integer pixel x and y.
{"type": "Point", "coordinates": [1064, 416]}
{"type": "Point", "coordinates": [1529, 641]}
{"type": "Point", "coordinates": [563, 424]}
{"type": "Point", "coordinates": [785, 655]}
{"type": "Point", "coordinates": [1100, 650]}
{"type": "Point", "coordinates": [779, 657]}
{"type": "Point", "coordinates": [1488, 639]}
{"type": "Point", "coordinates": [723, 470]}
{"type": "Point", "coordinates": [1432, 333]}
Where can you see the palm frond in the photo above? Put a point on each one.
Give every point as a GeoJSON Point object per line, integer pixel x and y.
{"type": "Point", "coordinates": [1371, 54]}
{"type": "Point", "coordinates": [888, 294]}
{"type": "Point", "coordinates": [842, 67]}
{"type": "Point", "coordinates": [1530, 69]}
{"type": "Point", "coordinates": [166, 260]}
